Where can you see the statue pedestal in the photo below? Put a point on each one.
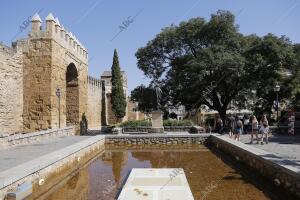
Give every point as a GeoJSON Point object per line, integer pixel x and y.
{"type": "Point", "coordinates": [157, 122]}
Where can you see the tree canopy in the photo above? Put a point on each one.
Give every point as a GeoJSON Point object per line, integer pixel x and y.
{"type": "Point", "coordinates": [211, 63]}
{"type": "Point", "coordinates": [145, 97]}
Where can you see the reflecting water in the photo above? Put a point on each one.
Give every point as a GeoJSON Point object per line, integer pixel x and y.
{"type": "Point", "coordinates": [208, 176]}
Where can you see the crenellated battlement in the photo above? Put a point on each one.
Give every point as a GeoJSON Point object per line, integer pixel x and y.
{"type": "Point", "coordinates": [55, 30]}
{"type": "Point", "coordinates": [94, 82]}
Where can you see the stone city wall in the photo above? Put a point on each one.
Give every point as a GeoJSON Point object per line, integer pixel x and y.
{"type": "Point", "coordinates": [110, 115]}
{"type": "Point", "coordinates": [132, 114]}
{"type": "Point", "coordinates": [94, 103]}
{"type": "Point", "coordinates": [11, 90]}
{"type": "Point", "coordinates": [37, 85]}
{"type": "Point", "coordinates": [49, 55]}
{"type": "Point", "coordinates": [34, 69]}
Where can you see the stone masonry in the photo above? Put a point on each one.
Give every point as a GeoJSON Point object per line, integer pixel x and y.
{"type": "Point", "coordinates": [94, 103]}
{"type": "Point", "coordinates": [49, 55]}
{"type": "Point", "coordinates": [50, 58]}
{"type": "Point", "coordinates": [133, 113]}
{"type": "Point", "coordinates": [11, 89]}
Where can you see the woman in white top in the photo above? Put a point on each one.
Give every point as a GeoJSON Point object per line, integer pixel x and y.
{"type": "Point", "coordinates": [254, 128]}
{"type": "Point", "coordinates": [264, 129]}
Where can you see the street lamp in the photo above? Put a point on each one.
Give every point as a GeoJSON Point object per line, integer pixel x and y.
{"type": "Point", "coordinates": [137, 110]}
{"type": "Point", "coordinates": [58, 94]}
{"type": "Point", "coordinates": [277, 89]}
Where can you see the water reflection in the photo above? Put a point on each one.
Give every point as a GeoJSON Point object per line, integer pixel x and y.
{"type": "Point", "coordinates": [208, 176]}
{"type": "Point", "coordinates": [118, 160]}
{"type": "Point", "coordinates": [73, 187]}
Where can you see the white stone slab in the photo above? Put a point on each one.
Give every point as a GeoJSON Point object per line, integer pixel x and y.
{"type": "Point", "coordinates": [156, 184]}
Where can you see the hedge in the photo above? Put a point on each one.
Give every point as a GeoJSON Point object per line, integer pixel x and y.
{"type": "Point", "coordinates": [135, 123]}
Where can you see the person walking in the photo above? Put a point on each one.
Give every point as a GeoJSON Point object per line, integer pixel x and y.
{"type": "Point", "coordinates": [264, 129]}
{"type": "Point", "coordinates": [231, 125]}
{"type": "Point", "coordinates": [219, 125]}
{"type": "Point", "coordinates": [238, 129]}
{"type": "Point", "coordinates": [246, 122]}
{"type": "Point", "coordinates": [254, 128]}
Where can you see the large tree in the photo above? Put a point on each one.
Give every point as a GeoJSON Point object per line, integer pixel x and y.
{"type": "Point", "coordinates": [145, 96]}
{"type": "Point", "coordinates": [210, 63]}
{"type": "Point", "coordinates": [296, 80]}
{"type": "Point", "coordinates": [118, 98]}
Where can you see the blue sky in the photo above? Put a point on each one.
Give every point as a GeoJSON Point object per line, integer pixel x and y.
{"type": "Point", "coordinates": [96, 22]}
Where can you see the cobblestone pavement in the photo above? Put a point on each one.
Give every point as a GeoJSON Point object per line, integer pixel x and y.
{"type": "Point", "coordinates": [286, 146]}
{"type": "Point", "coordinates": [13, 156]}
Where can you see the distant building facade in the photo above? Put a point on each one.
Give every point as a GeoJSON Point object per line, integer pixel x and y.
{"type": "Point", "coordinates": [177, 111]}
{"type": "Point", "coordinates": [131, 108]}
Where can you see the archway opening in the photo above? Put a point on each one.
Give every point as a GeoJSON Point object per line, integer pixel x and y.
{"type": "Point", "coordinates": [72, 95]}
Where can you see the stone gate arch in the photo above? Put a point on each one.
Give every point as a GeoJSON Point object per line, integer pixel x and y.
{"type": "Point", "coordinates": [72, 95]}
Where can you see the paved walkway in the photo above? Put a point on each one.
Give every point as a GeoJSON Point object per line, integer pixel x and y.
{"type": "Point", "coordinates": [14, 156]}
{"type": "Point", "coordinates": [287, 147]}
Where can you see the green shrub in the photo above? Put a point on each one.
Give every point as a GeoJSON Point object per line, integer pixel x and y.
{"type": "Point", "coordinates": [135, 123]}
{"type": "Point", "coordinates": [178, 123]}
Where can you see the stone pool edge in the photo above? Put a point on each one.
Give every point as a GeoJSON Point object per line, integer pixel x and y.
{"type": "Point", "coordinates": [266, 164]}
{"type": "Point", "coordinates": [277, 170]}
{"type": "Point", "coordinates": [167, 139]}
{"type": "Point", "coordinates": [272, 167]}
{"type": "Point", "coordinates": [42, 166]}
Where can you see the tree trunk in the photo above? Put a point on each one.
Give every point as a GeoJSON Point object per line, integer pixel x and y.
{"type": "Point", "coordinates": [222, 113]}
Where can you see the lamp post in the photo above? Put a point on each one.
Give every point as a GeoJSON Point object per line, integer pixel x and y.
{"type": "Point", "coordinates": [277, 89]}
{"type": "Point", "coordinates": [58, 94]}
{"type": "Point", "coordinates": [137, 110]}
{"type": "Point", "coordinates": [253, 92]}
